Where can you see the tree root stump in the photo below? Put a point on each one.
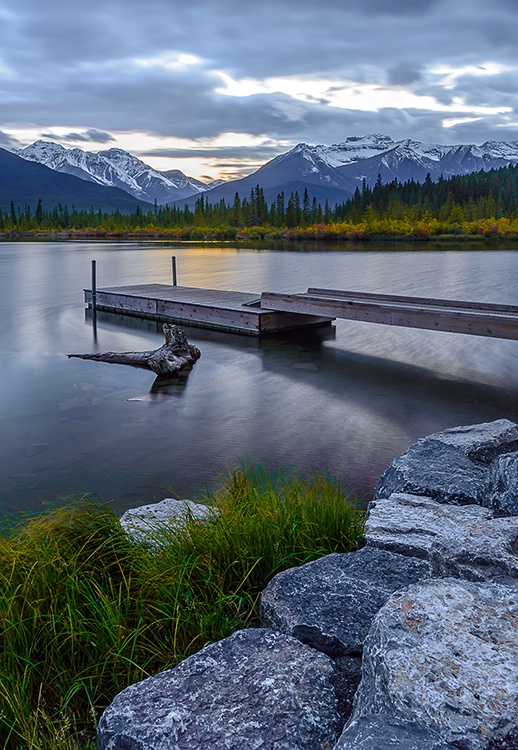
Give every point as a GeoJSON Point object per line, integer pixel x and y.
{"type": "Point", "coordinates": [174, 357]}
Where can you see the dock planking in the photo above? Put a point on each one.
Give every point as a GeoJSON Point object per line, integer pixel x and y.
{"type": "Point", "coordinates": [236, 312]}
{"type": "Point", "coordinates": [256, 315]}
{"type": "Point", "coordinates": [454, 316]}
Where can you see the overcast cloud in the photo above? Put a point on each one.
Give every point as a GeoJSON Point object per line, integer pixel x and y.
{"type": "Point", "coordinates": [208, 84]}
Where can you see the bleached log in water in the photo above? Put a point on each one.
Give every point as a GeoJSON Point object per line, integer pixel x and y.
{"type": "Point", "coordinates": [175, 356]}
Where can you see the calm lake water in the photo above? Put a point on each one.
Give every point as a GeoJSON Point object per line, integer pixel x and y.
{"type": "Point", "coordinates": [347, 401]}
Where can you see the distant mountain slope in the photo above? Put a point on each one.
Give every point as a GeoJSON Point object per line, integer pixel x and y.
{"type": "Point", "coordinates": [115, 167]}
{"type": "Point", "coordinates": [411, 160]}
{"type": "Point", "coordinates": [24, 183]}
{"type": "Point", "coordinates": [336, 171]}
{"type": "Point", "coordinates": [295, 170]}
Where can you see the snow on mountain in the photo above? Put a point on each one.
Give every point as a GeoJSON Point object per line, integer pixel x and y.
{"type": "Point", "coordinates": [357, 158]}
{"type": "Point", "coordinates": [302, 163]}
{"type": "Point", "coordinates": [501, 150]}
{"type": "Point", "coordinates": [354, 148]}
{"type": "Point", "coordinates": [333, 171]}
{"type": "Point", "coordinates": [115, 168]}
{"type": "Point", "coordinates": [358, 148]}
{"type": "Point", "coordinates": [214, 184]}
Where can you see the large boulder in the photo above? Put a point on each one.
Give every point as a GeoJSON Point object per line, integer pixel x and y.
{"type": "Point", "coordinates": [443, 655]}
{"type": "Point", "coordinates": [451, 466]}
{"type": "Point", "coordinates": [147, 522]}
{"type": "Point", "coordinates": [383, 733]}
{"type": "Point", "coordinates": [465, 542]}
{"type": "Point", "coordinates": [330, 603]}
{"type": "Point", "coordinates": [502, 490]}
{"type": "Point", "coordinates": [256, 690]}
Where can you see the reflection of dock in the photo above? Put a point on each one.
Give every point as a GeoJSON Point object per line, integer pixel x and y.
{"type": "Point", "coordinates": [252, 314]}
{"type": "Point", "coordinates": [238, 312]}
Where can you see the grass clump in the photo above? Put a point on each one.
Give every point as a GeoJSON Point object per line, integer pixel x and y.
{"type": "Point", "coordinates": [86, 611]}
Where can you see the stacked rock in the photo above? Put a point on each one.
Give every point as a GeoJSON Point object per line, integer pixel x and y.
{"type": "Point", "coordinates": [425, 615]}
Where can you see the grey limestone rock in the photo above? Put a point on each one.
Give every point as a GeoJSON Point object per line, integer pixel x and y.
{"type": "Point", "coordinates": [142, 523]}
{"type": "Point", "coordinates": [451, 466]}
{"type": "Point", "coordinates": [502, 491]}
{"type": "Point", "coordinates": [465, 542]}
{"type": "Point", "coordinates": [256, 690]}
{"type": "Point", "coordinates": [383, 733]}
{"type": "Point", "coordinates": [443, 655]}
{"type": "Point", "coordinates": [329, 603]}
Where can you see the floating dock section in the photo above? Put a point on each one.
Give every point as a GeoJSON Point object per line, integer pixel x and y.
{"type": "Point", "coordinates": [474, 318]}
{"type": "Point", "coordinates": [236, 312]}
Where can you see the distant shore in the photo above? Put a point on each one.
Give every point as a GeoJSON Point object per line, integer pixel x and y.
{"type": "Point", "coordinates": [253, 234]}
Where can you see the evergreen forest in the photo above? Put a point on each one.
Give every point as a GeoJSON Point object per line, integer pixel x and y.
{"type": "Point", "coordinates": [480, 204]}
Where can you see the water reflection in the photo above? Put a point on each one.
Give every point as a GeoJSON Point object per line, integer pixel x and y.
{"type": "Point", "coordinates": [174, 386]}
{"type": "Point", "coordinates": [348, 397]}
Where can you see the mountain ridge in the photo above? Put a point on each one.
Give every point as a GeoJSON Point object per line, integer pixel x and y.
{"type": "Point", "coordinates": [114, 167]}
{"type": "Point", "coordinates": [329, 173]}
{"type": "Point", "coordinates": [24, 183]}
{"type": "Point", "coordinates": [341, 168]}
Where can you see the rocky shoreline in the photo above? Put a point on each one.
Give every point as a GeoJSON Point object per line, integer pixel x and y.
{"type": "Point", "coordinates": [409, 643]}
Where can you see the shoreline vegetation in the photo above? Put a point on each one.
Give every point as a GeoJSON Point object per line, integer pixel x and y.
{"type": "Point", "coordinates": [486, 234]}
{"type": "Point", "coordinates": [86, 610]}
{"type": "Point", "coordinates": [481, 206]}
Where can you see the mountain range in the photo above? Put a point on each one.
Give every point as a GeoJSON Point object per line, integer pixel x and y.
{"type": "Point", "coordinates": [329, 173]}
{"type": "Point", "coordinates": [116, 168]}
{"type": "Point", "coordinates": [24, 183]}
{"type": "Point", "coordinates": [334, 172]}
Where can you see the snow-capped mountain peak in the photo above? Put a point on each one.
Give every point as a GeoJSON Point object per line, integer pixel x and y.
{"type": "Point", "coordinates": [114, 167]}
{"type": "Point", "coordinates": [334, 171]}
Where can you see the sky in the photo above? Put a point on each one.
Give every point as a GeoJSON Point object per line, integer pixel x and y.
{"type": "Point", "coordinates": [217, 88]}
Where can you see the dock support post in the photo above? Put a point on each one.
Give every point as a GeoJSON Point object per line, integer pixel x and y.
{"type": "Point", "coordinates": [94, 285]}
{"type": "Point", "coordinates": [175, 280]}
{"type": "Point", "coordinates": [94, 300]}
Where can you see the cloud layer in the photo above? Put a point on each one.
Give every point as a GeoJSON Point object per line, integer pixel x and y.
{"type": "Point", "coordinates": [241, 82]}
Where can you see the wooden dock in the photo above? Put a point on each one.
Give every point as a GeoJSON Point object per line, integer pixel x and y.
{"type": "Point", "coordinates": [269, 312]}
{"type": "Point", "coordinates": [236, 312]}
{"type": "Point", "coordinates": [477, 319]}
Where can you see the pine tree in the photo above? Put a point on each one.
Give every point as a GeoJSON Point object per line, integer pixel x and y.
{"type": "Point", "coordinates": [39, 213]}
{"type": "Point", "coordinates": [306, 207]}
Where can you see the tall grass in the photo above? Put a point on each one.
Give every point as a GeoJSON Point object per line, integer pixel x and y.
{"type": "Point", "coordinates": [85, 611]}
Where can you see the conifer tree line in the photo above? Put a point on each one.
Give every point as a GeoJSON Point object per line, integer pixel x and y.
{"type": "Point", "coordinates": [479, 196]}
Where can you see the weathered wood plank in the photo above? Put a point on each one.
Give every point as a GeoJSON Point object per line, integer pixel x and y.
{"type": "Point", "coordinates": [430, 301]}
{"type": "Point", "coordinates": [213, 308]}
{"type": "Point", "coordinates": [238, 311]}
{"type": "Point", "coordinates": [409, 314]}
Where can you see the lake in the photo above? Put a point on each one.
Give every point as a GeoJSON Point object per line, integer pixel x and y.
{"type": "Point", "coordinates": [347, 400]}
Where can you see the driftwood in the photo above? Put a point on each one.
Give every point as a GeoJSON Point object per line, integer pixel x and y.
{"type": "Point", "coordinates": [174, 357]}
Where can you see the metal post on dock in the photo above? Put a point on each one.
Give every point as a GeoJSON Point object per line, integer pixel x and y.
{"type": "Point", "coordinates": [94, 284]}
{"type": "Point", "coordinates": [94, 299]}
{"type": "Point", "coordinates": [175, 280]}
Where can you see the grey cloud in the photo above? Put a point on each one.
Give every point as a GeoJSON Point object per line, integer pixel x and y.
{"type": "Point", "coordinates": [394, 7]}
{"type": "Point", "coordinates": [88, 136]}
{"type": "Point", "coordinates": [7, 141]}
{"type": "Point", "coordinates": [485, 91]}
{"type": "Point", "coordinates": [91, 135]}
{"type": "Point", "coordinates": [404, 73]}
{"type": "Point", "coordinates": [75, 64]}
{"type": "Point", "coordinates": [509, 5]}
{"type": "Point", "coordinates": [230, 152]}
{"type": "Point", "coordinates": [478, 132]}
{"type": "Point", "coordinates": [245, 40]}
